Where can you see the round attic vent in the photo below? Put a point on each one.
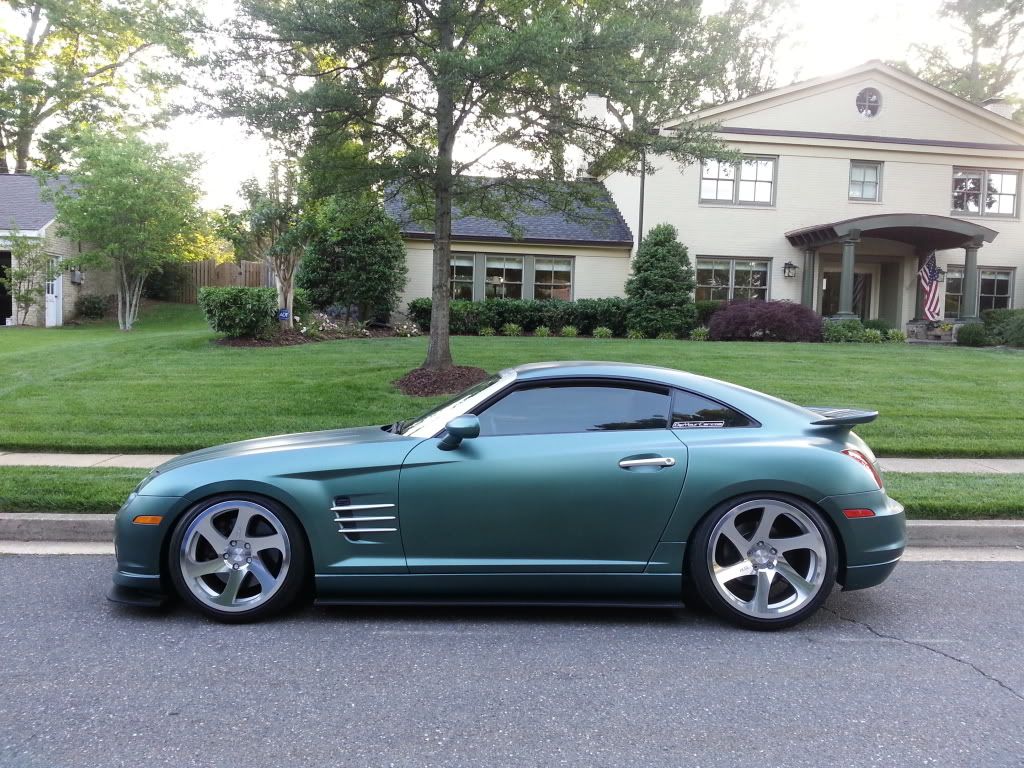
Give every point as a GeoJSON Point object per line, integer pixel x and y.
{"type": "Point", "coordinates": [869, 102]}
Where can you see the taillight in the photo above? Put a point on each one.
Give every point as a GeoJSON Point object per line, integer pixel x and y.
{"type": "Point", "coordinates": [861, 459]}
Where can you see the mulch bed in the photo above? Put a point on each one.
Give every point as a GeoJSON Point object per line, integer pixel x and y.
{"type": "Point", "coordinates": [422, 382]}
{"type": "Point", "coordinates": [292, 338]}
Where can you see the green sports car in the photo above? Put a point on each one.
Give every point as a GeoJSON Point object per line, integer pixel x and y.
{"type": "Point", "coordinates": [553, 483]}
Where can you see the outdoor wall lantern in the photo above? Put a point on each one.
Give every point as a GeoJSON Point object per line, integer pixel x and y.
{"type": "Point", "coordinates": [789, 269]}
{"type": "Point", "coordinates": [942, 276]}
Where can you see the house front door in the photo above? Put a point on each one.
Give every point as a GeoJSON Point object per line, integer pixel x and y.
{"type": "Point", "coordinates": [55, 296]}
{"type": "Point", "coordinates": [861, 295]}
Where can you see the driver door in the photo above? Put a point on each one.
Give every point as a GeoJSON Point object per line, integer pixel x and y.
{"type": "Point", "coordinates": [565, 477]}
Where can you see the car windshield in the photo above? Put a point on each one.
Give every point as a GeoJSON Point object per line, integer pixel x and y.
{"type": "Point", "coordinates": [405, 427]}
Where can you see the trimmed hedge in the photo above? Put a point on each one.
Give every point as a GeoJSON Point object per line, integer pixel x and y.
{"type": "Point", "coordinates": [765, 321]}
{"type": "Point", "coordinates": [468, 317]}
{"type": "Point", "coordinates": [240, 312]}
{"type": "Point", "coordinates": [996, 320]}
{"type": "Point", "coordinates": [973, 335]}
{"type": "Point", "coordinates": [1012, 331]}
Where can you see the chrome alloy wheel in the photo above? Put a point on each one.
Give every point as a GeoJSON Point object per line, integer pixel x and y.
{"type": "Point", "coordinates": [234, 556]}
{"type": "Point", "coordinates": [766, 558]}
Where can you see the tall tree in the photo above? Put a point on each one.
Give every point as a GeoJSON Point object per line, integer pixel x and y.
{"type": "Point", "coordinates": [745, 37]}
{"type": "Point", "coordinates": [270, 230]}
{"type": "Point", "coordinates": [986, 64]}
{"type": "Point", "coordinates": [467, 89]}
{"type": "Point", "coordinates": [135, 205]}
{"type": "Point", "coordinates": [68, 63]}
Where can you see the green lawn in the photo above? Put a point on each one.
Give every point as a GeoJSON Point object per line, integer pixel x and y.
{"type": "Point", "coordinates": [164, 387]}
{"type": "Point", "coordinates": [926, 496]}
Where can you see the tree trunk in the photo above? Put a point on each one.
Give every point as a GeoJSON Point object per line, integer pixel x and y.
{"type": "Point", "coordinates": [556, 128]}
{"type": "Point", "coordinates": [284, 271]}
{"type": "Point", "coordinates": [22, 149]}
{"type": "Point", "coordinates": [439, 352]}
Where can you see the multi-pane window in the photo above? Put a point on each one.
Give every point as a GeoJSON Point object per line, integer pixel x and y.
{"type": "Point", "coordinates": [751, 182]}
{"type": "Point", "coordinates": [865, 180]}
{"type": "Point", "coordinates": [954, 292]}
{"type": "Point", "coordinates": [462, 276]}
{"type": "Point", "coordinates": [994, 288]}
{"type": "Point", "coordinates": [552, 278]}
{"type": "Point", "coordinates": [720, 279]}
{"type": "Point", "coordinates": [504, 277]}
{"type": "Point", "coordinates": [985, 193]}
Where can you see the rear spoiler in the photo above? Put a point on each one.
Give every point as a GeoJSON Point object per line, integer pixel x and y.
{"type": "Point", "coordinates": [842, 417]}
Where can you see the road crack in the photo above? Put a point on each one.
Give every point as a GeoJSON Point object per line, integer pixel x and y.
{"type": "Point", "coordinates": [917, 644]}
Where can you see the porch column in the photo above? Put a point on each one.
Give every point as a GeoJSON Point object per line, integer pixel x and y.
{"type": "Point", "coordinates": [846, 276]}
{"type": "Point", "coordinates": [807, 289]}
{"type": "Point", "coordinates": [969, 308]}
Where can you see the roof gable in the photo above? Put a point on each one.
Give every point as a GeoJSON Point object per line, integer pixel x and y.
{"type": "Point", "coordinates": [912, 111]}
{"type": "Point", "coordinates": [601, 225]}
{"type": "Point", "coordinates": [21, 203]}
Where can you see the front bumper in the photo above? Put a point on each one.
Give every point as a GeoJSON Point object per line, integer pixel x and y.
{"type": "Point", "coordinates": [139, 550]}
{"type": "Point", "coordinates": [873, 545]}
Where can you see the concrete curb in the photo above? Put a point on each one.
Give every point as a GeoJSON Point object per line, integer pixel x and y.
{"type": "Point", "coordinates": [42, 526]}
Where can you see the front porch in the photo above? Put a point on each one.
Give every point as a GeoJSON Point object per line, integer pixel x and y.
{"type": "Point", "coordinates": [866, 268]}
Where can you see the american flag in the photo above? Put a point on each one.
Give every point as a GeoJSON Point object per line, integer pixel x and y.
{"type": "Point", "coordinates": [928, 276]}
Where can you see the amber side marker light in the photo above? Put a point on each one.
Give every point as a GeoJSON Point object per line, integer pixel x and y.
{"type": "Point", "coordinates": [148, 519]}
{"type": "Point", "coordinates": [853, 514]}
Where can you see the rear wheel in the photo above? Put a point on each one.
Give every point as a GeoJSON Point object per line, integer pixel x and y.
{"type": "Point", "coordinates": [238, 558]}
{"type": "Point", "coordinates": [763, 562]}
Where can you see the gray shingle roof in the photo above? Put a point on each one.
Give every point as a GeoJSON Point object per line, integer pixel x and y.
{"type": "Point", "coordinates": [21, 202]}
{"type": "Point", "coordinates": [592, 225]}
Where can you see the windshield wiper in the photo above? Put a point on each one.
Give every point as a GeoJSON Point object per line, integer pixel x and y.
{"type": "Point", "coordinates": [397, 427]}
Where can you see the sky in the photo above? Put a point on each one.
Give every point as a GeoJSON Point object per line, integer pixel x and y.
{"type": "Point", "coordinates": [829, 36]}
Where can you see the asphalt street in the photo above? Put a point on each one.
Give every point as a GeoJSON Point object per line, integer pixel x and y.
{"type": "Point", "coordinates": [924, 670]}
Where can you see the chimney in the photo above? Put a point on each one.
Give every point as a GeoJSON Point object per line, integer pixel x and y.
{"type": "Point", "coordinates": [1000, 106]}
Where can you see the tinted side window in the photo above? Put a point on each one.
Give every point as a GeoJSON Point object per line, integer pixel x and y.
{"type": "Point", "coordinates": [690, 411]}
{"type": "Point", "coordinates": [579, 408]}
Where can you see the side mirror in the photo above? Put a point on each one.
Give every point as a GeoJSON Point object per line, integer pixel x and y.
{"type": "Point", "coordinates": [460, 428]}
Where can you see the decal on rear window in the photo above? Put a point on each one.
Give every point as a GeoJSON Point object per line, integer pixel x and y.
{"type": "Point", "coordinates": [697, 424]}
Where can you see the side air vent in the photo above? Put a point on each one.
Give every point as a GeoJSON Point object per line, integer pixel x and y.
{"type": "Point", "coordinates": [356, 519]}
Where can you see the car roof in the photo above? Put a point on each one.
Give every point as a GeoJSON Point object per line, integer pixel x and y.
{"type": "Point", "coordinates": [755, 403]}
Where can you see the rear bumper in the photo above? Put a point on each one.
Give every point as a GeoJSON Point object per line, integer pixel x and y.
{"type": "Point", "coordinates": [872, 545]}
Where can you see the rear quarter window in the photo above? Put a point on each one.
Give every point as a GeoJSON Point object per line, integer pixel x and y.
{"type": "Point", "coordinates": [693, 411]}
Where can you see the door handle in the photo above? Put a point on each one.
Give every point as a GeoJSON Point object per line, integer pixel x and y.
{"type": "Point", "coordinates": [656, 461]}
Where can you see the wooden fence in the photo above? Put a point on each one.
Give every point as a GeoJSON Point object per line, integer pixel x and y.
{"type": "Point", "coordinates": [254, 274]}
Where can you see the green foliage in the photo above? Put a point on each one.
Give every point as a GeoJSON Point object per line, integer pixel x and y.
{"type": "Point", "coordinates": [842, 331]}
{"type": "Point", "coordinates": [700, 333]}
{"type": "Point", "coordinates": [486, 331]}
{"type": "Point", "coordinates": [705, 309]}
{"type": "Point", "coordinates": [895, 336]}
{"type": "Point", "coordinates": [91, 307]}
{"type": "Point", "coordinates": [25, 280]}
{"type": "Point", "coordinates": [419, 312]}
{"type": "Point", "coordinates": [973, 335]}
{"type": "Point", "coordinates": [666, 336]}
{"type": "Point", "coordinates": [167, 281]}
{"type": "Point", "coordinates": [466, 317]}
{"type": "Point", "coordinates": [601, 332]}
{"type": "Point", "coordinates": [542, 331]}
{"type": "Point", "coordinates": [68, 64]}
{"type": "Point", "coordinates": [996, 320]}
{"type": "Point", "coordinates": [511, 329]}
{"type": "Point", "coordinates": [355, 257]}
{"type": "Point", "coordinates": [635, 335]}
{"type": "Point", "coordinates": [302, 305]}
{"type": "Point", "coordinates": [136, 205]}
{"type": "Point", "coordinates": [660, 290]}
{"type": "Point", "coordinates": [1012, 331]}
{"type": "Point", "coordinates": [240, 312]}
{"type": "Point", "coordinates": [569, 332]}
{"type": "Point", "coordinates": [878, 325]}
{"type": "Point", "coordinates": [872, 336]}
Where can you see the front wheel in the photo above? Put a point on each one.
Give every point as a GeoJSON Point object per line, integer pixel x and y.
{"type": "Point", "coordinates": [763, 562]}
{"type": "Point", "coordinates": [238, 558]}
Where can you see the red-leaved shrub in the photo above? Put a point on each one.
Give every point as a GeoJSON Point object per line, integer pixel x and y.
{"type": "Point", "coordinates": [765, 321]}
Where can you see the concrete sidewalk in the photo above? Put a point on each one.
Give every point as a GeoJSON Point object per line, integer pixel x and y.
{"type": "Point", "coordinates": [150, 460]}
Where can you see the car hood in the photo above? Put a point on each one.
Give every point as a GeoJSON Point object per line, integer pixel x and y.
{"type": "Point", "coordinates": [330, 438]}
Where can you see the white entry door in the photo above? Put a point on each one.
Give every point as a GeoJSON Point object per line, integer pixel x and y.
{"type": "Point", "coordinates": [55, 296]}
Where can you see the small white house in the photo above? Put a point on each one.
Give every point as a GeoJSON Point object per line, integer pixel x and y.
{"type": "Point", "coordinates": [847, 184]}
{"type": "Point", "coordinates": [22, 208]}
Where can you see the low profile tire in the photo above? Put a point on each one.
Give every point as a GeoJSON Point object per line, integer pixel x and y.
{"type": "Point", "coordinates": [762, 561]}
{"type": "Point", "coordinates": [238, 558]}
